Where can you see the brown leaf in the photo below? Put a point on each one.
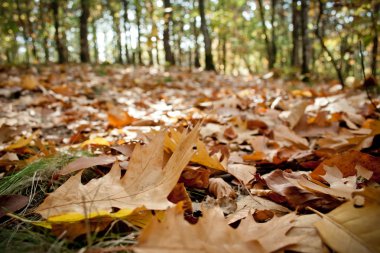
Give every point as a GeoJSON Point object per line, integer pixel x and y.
{"type": "Point", "coordinates": [12, 203]}
{"type": "Point", "coordinates": [346, 163]}
{"type": "Point", "coordinates": [86, 162]}
{"type": "Point", "coordinates": [178, 194]}
{"type": "Point", "coordinates": [219, 188]}
{"type": "Point", "coordinates": [174, 234]}
{"type": "Point", "coordinates": [146, 182]}
{"type": "Point", "coordinates": [298, 197]}
{"type": "Point", "coordinates": [195, 177]}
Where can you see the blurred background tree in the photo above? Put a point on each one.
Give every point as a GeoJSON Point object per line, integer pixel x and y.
{"type": "Point", "coordinates": [297, 37]}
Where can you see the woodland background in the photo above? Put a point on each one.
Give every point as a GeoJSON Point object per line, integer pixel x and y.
{"type": "Point", "coordinates": [235, 37]}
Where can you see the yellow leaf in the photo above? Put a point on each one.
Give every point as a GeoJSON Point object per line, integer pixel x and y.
{"type": "Point", "coordinates": [201, 156]}
{"type": "Point", "coordinates": [22, 142]}
{"type": "Point", "coordinates": [97, 141]}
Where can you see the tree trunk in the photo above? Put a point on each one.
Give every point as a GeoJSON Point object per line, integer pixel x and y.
{"type": "Point", "coordinates": [62, 56]}
{"type": "Point", "coordinates": [375, 40]}
{"type": "Point", "coordinates": [320, 38]}
{"type": "Point", "coordinates": [169, 57]}
{"type": "Point", "coordinates": [83, 31]}
{"type": "Point", "coordinates": [45, 39]}
{"type": "Point", "coordinates": [116, 28]}
{"type": "Point", "coordinates": [206, 37]}
{"type": "Point", "coordinates": [24, 31]}
{"type": "Point", "coordinates": [304, 36]}
{"type": "Point", "coordinates": [127, 31]}
{"type": "Point", "coordinates": [273, 41]}
{"type": "Point", "coordinates": [96, 51]}
{"type": "Point", "coordinates": [295, 35]}
{"type": "Point", "coordinates": [138, 23]}
{"type": "Point", "coordinates": [266, 37]}
{"type": "Point", "coordinates": [197, 62]}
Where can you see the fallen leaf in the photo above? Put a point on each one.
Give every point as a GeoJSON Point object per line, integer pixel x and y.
{"type": "Point", "coordinates": [353, 229]}
{"type": "Point", "coordinates": [242, 172]}
{"type": "Point", "coordinates": [12, 203]}
{"type": "Point", "coordinates": [346, 162]}
{"type": "Point", "coordinates": [294, 114]}
{"type": "Point", "coordinates": [29, 82]}
{"type": "Point", "coordinates": [96, 141]}
{"type": "Point", "coordinates": [220, 188]}
{"type": "Point", "coordinates": [146, 183]}
{"type": "Point", "coordinates": [86, 162]}
{"type": "Point", "coordinates": [201, 155]}
{"type": "Point", "coordinates": [159, 237]}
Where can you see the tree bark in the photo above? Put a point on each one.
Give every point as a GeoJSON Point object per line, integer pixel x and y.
{"type": "Point", "coordinates": [295, 35]}
{"type": "Point", "coordinates": [206, 38]}
{"type": "Point", "coordinates": [83, 31]}
{"type": "Point", "coordinates": [169, 57]}
{"type": "Point", "coordinates": [197, 62]}
{"type": "Point", "coordinates": [127, 31]}
{"type": "Point", "coordinates": [24, 31]}
{"type": "Point", "coordinates": [375, 40]}
{"type": "Point", "coordinates": [304, 36]}
{"type": "Point", "coordinates": [45, 39]}
{"type": "Point", "coordinates": [116, 27]}
{"type": "Point", "coordinates": [62, 56]}
{"type": "Point", "coordinates": [96, 51]}
{"type": "Point", "coordinates": [266, 37]}
{"type": "Point", "coordinates": [320, 38]}
{"type": "Point", "coordinates": [273, 40]}
{"type": "Point", "coordinates": [138, 23]}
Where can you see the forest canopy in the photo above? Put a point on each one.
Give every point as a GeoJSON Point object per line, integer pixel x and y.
{"type": "Point", "coordinates": [233, 37]}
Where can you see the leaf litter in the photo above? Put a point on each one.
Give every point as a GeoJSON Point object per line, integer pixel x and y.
{"type": "Point", "coordinates": [196, 163]}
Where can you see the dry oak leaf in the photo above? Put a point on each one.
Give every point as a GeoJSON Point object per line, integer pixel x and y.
{"type": "Point", "coordinates": [338, 186]}
{"type": "Point", "coordinates": [201, 155]}
{"type": "Point", "coordinates": [210, 234]}
{"type": "Point", "coordinates": [242, 172]}
{"type": "Point", "coordinates": [351, 228]}
{"type": "Point", "coordinates": [347, 162]}
{"type": "Point", "coordinates": [294, 114]}
{"type": "Point", "coordinates": [220, 188]}
{"type": "Point", "coordinates": [272, 235]}
{"type": "Point", "coordinates": [86, 162]}
{"type": "Point", "coordinates": [146, 183]}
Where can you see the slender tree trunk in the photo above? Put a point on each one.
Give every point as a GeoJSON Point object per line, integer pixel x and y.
{"type": "Point", "coordinates": [169, 57]}
{"type": "Point", "coordinates": [62, 56]}
{"type": "Point", "coordinates": [94, 34]}
{"type": "Point", "coordinates": [295, 35]}
{"type": "Point", "coordinates": [138, 23]}
{"type": "Point", "coordinates": [375, 40]}
{"type": "Point", "coordinates": [116, 27]}
{"type": "Point", "coordinates": [197, 62]}
{"type": "Point", "coordinates": [224, 55]}
{"type": "Point", "coordinates": [206, 37]}
{"type": "Point", "coordinates": [83, 27]}
{"type": "Point", "coordinates": [320, 38]}
{"type": "Point", "coordinates": [179, 40]}
{"type": "Point", "coordinates": [127, 31]}
{"type": "Point", "coordinates": [266, 37]}
{"type": "Point", "coordinates": [45, 40]}
{"type": "Point", "coordinates": [273, 40]}
{"type": "Point", "coordinates": [31, 34]}
{"type": "Point", "coordinates": [304, 35]}
{"type": "Point", "coordinates": [24, 31]}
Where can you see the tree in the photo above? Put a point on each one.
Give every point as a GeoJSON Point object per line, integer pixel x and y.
{"type": "Point", "coordinates": [127, 31]}
{"type": "Point", "coordinates": [116, 28]}
{"type": "Point", "coordinates": [375, 40]}
{"type": "Point", "coordinates": [206, 37]}
{"type": "Point", "coordinates": [304, 36]}
{"type": "Point", "coordinates": [295, 34]}
{"type": "Point", "coordinates": [169, 57]}
{"type": "Point", "coordinates": [318, 34]}
{"type": "Point", "coordinates": [60, 47]}
{"type": "Point", "coordinates": [83, 26]}
{"type": "Point", "coordinates": [138, 23]}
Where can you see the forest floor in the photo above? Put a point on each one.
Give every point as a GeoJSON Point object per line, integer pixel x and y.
{"type": "Point", "coordinates": [91, 159]}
